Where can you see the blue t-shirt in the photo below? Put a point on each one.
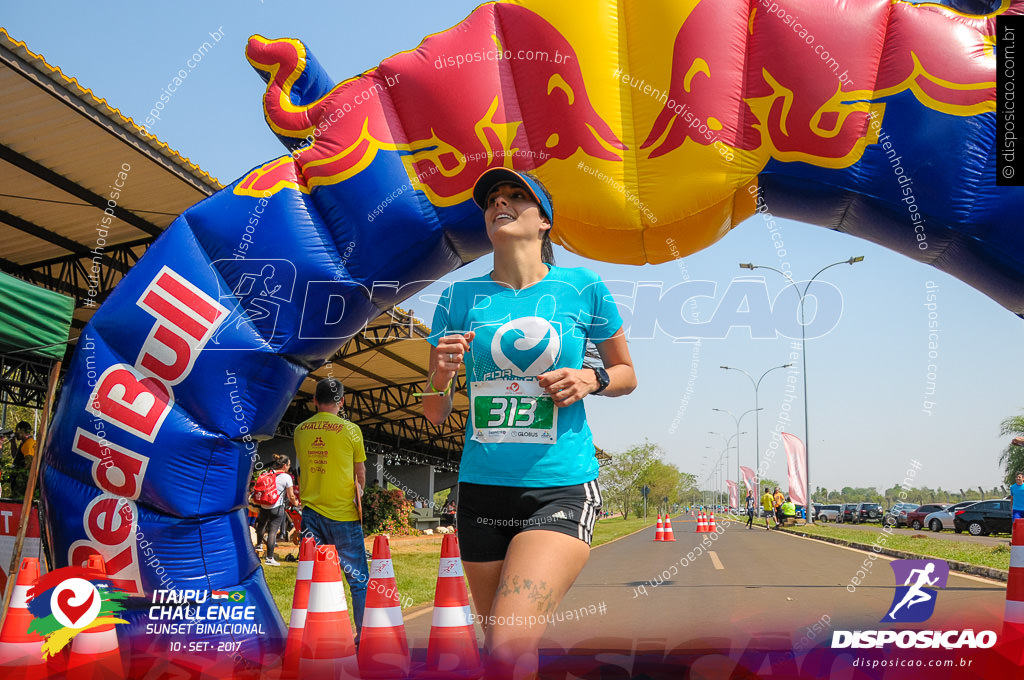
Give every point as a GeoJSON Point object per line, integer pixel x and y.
{"type": "Point", "coordinates": [514, 434]}
{"type": "Point", "coordinates": [1017, 492]}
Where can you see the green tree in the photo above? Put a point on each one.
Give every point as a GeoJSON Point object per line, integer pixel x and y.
{"type": "Point", "coordinates": [1012, 457]}
{"type": "Point", "coordinates": [662, 479]}
{"type": "Point", "coordinates": [620, 479]}
{"type": "Point", "coordinates": [686, 490]}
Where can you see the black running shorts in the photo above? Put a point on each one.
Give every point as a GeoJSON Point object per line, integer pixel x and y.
{"type": "Point", "coordinates": [489, 516]}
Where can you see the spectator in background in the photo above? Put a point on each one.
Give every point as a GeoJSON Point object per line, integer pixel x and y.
{"type": "Point", "coordinates": [271, 519]}
{"type": "Point", "coordinates": [777, 500]}
{"type": "Point", "coordinates": [788, 510]}
{"type": "Point", "coordinates": [332, 469]}
{"type": "Point", "coordinates": [1017, 493]}
{"type": "Point", "coordinates": [448, 514]}
{"type": "Point", "coordinates": [750, 509]}
{"type": "Point", "coordinates": [24, 450]}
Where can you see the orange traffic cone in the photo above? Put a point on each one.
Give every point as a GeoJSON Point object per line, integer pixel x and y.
{"type": "Point", "coordinates": [300, 602]}
{"type": "Point", "coordinates": [94, 652]}
{"type": "Point", "coordinates": [383, 649]}
{"type": "Point", "coordinates": [700, 523]}
{"type": "Point", "coordinates": [669, 535]}
{"type": "Point", "coordinates": [21, 652]}
{"type": "Point", "coordinates": [1013, 620]}
{"type": "Point", "coordinates": [328, 646]}
{"type": "Point", "coordinates": [711, 523]}
{"type": "Point", "coordinates": [452, 651]}
{"type": "Point", "coordinates": [659, 531]}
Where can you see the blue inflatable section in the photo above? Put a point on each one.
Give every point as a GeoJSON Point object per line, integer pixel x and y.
{"type": "Point", "coordinates": [194, 358]}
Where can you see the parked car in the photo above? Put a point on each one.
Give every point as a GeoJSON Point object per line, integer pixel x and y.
{"type": "Point", "coordinates": [829, 513]}
{"type": "Point", "coordinates": [867, 512]}
{"type": "Point", "coordinates": [943, 519]}
{"type": "Point", "coordinates": [915, 518]}
{"type": "Point", "coordinates": [846, 515]}
{"type": "Point", "coordinates": [897, 514]}
{"type": "Point", "coordinates": [984, 518]}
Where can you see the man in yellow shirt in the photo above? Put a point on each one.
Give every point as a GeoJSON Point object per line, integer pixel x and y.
{"type": "Point", "coordinates": [27, 448]}
{"type": "Point", "coordinates": [768, 504]}
{"type": "Point", "coordinates": [332, 473]}
{"type": "Point", "coordinates": [24, 453]}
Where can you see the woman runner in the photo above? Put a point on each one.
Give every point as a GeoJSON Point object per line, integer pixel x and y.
{"type": "Point", "coordinates": [528, 494]}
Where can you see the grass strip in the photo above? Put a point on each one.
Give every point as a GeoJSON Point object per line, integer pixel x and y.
{"type": "Point", "coordinates": [996, 557]}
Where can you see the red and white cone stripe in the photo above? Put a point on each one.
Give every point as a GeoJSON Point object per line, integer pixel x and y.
{"type": "Point", "coordinates": [300, 603]}
{"type": "Point", "coordinates": [18, 647]}
{"type": "Point", "coordinates": [1015, 583]}
{"type": "Point", "coordinates": [452, 616]}
{"type": "Point", "coordinates": [452, 651]}
{"type": "Point", "coordinates": [94, 652]}
{"type": "Point", "coordinates": [383, 648]}
{"type": "Point", "coordinates": [669, 534]}
{"type": "Point", "coordinates": [328, 645]}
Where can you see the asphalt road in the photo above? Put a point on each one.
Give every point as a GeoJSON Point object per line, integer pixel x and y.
{"type": "Point", "coordinates": [748, 584]}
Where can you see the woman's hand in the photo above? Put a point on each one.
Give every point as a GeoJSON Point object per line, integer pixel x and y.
{"type": "Point", "coordinates": [568, 385]}
{"type": "Point", "coordinates": [446, 358]}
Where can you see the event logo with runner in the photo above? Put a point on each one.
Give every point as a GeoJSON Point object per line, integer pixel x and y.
{"type": "Point", "coordinates": [914, 601]}
{"type": "Point", "coordinates": [69, 601]}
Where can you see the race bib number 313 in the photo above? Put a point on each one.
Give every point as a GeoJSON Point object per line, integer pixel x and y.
{"type": "Point", "coordinates": [513, 411]}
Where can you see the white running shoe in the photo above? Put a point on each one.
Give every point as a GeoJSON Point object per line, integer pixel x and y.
{"type": "Point", "coordinates": [271, 562]}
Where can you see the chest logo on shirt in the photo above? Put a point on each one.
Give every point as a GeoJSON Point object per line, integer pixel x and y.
{"type": "Point", "coordinates": [527, 346]}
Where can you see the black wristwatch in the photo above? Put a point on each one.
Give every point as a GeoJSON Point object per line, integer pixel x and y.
{"type": "Point", "coordinates": [602, 378]}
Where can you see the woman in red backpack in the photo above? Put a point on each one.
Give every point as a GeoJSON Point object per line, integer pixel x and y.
{"type": "Point", "coordinates": [271, 503]}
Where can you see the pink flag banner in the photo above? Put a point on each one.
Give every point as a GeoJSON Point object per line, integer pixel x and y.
{"type": "Point", "coordinates": [734, 498]}
{"type": "Point", "coordinates": [796, 458]}
{"type": "Point", "coordinates": [748, 479]}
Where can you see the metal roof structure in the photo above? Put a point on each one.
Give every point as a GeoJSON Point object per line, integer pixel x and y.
{"type": "Point", "coordinates": [63, 150]}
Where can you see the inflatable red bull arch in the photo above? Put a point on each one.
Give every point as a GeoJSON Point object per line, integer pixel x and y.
{"type": "Point", "coordinates": [657, 130]}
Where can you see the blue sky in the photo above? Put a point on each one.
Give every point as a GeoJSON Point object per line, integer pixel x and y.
{"type": "Point", "coordinates": [866, 378]}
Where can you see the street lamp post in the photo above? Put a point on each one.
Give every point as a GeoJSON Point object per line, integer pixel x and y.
{"type": "Point", "coordinates": [738, 421]}
{"type": "Point", "coordinates": [803, 351]}
{"type": "Point", "coordinates": [725, 452]}
{"type": "Point", "coordinates": [757, 419]}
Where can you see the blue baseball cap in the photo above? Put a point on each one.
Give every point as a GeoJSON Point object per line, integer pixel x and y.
{"type": "Point", "coordinates": [495, 176]}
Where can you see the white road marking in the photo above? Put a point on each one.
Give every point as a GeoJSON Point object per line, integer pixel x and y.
{"type": "Point", "coordinates": [715, 561]}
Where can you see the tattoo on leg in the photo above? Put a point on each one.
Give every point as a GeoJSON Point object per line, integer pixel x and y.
{"type": "Point", "coordinates": [506, 588]}
{"type": "Point", "coordinates": [539, 593]}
